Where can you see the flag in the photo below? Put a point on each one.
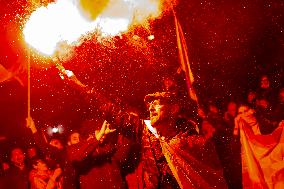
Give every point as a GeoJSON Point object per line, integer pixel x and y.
{"type": "Point", "coordinates": [191, 170]}
{"type": "Point", "coordinates": [184, 60]}
{"type": "Point", "coordinates": [262, 158]}
{"type": "Point", "coordinates": [6, 75]}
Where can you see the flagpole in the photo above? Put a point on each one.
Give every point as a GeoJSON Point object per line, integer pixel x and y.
{"type": "Point", "coordinates": [29, 84]}
{"type": "Point", "coordinates": [184, 60]}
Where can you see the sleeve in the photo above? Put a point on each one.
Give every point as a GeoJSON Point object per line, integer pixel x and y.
{"type": "Point", "coordinates": [41, 143]}
{"type": "Point", "coordinates": [81, 150]}
{"type": "Point", "coordinates": [113, 113]}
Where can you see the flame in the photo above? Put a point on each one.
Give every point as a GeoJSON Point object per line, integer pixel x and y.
{"type": "Point", "coordinates": [65, 21]}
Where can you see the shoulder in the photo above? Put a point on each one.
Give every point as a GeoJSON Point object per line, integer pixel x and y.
{"type": "Point", "coordinates": [187, 125]}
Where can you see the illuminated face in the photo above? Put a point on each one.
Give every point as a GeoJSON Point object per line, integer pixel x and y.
{"type": "Point", "coordinates": [158, 112]}
{"type": "Point", "coordinates": [17, 156]}
{"type": "Point", "coordinates": [74, 138]}
{"type": "Point", "coordinates": [243, 109]}
{"type": "Point", "coordinates": [56, 143]}
{"type": "Point", "coordinates": [247, 114]}
{"type": "Point", "coordinates": [264, 82]}
{"type": "Point", "coordinates": [41, 166]}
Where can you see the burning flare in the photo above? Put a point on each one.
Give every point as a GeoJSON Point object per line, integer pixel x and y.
{"type": "Point", "coordinates": [68, 20]}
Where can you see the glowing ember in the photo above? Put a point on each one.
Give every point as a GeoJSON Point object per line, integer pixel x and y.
{"type": "Point", "coordinates": [151, 37]}
{"type": "Point", "coordinates": [65, 21]}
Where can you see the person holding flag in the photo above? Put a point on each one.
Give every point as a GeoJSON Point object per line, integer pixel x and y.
{"type": "Point", "coordinates": [262, 155]}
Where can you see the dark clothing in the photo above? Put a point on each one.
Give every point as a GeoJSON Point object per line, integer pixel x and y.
{"type": "Point", "coordinates": [268, 94]}
{"type": "Point", "coordinates": [15, 178]}
{"type": "Point", "coordinates": [98, 165]}
{"type": "Point", "coordinates": [53, 156]}
{"type": "Point", "coordinates": [156, 172]}
{"type": "Point", "coordinates": [279, 112]}
{"type": "Point", "coordinates": [66, 158]}
{"type": "Point", "coordinates": [74, 154]}
{"type": "Point", "coordinates": [224, 143]}
{"type": "Point", "coordinates": [267, 123]}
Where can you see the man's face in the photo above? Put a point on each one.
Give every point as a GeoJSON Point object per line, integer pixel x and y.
{"type": "Point", "coordinates": [247, 114]}
{"type": "Point", "coordinates": [158, 112]}
{"type": "Point", "coordinates": [56, 143]}
{"type": "Point", "coordinates": [17, 156]}
{"type": "Point", "coordinates": [74, 138]}
{"type": "Point", "coordinates": [264, 82]}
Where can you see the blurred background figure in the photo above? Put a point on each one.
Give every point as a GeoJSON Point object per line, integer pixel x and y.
{"type": "Point", "coordinates": [265, 90]}
{"type": "Point", "coordinates": [16, 176]}
{"type": "Point", "coordinates": [41, 177]}
{"type": "Point", "coordinates": [251, 98]}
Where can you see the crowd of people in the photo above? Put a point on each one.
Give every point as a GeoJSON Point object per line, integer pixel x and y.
{"type": "Point", "coordinates": [179, 147]}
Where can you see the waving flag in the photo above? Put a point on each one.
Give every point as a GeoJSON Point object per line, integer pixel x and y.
{"type": "Point", "coordinates": [263, 158]}
{"type": "Point", "coordinates": [184, 60]}
{"type": "Point", "coordinates": [6, 75]}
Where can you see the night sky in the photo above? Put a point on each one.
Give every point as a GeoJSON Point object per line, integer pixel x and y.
{"type": "Point", "coordinates": [231, 43]}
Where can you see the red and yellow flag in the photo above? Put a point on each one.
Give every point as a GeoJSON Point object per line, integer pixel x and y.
{"type": "Point", "coordinates": [7, 75]}
{"type": "Point", "coordinates": [184, 60]}
{"type": "Point", "coordinates": [262, 158]}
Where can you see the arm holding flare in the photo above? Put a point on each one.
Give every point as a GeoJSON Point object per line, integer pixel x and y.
{"type": "Point", "coordinates": [127, 123]}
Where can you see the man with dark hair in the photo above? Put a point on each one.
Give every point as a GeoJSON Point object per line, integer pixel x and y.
{"type": "Point", "coordinates": [265, 90]}
{"type": "Point", "coordinates": [16, 176]}
{"type": "Point", "coordinates": [265, 115]}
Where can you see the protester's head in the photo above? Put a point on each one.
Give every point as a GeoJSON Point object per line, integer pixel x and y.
{"type": "Point", "coordinates": [55, 142]}
{"type": "Point", "coordinates": [246, 114]}
{"type": "Point", "coordinates": [17, 156]}
{"type": "Point", "coordinates": [232, 108]}
{"type": "Point", "coordinates": [251, 97]}
{"type": "Point", "coordinates": [212, 108]}
{"type": "Point", "coordinates": [163, 107]}
{"type": "Point", "coordinates": [264, 82]}
{"type": "Point", "coordinates": [169, 83]}
{"type": "Point", "coordinates": [31, 152]}
{"type": "Point", "coordinates": [74, 138]}
{"type": "Point", "coordinates": [262, 103]}
{"type": "Point", "coordinates": [39, 165]}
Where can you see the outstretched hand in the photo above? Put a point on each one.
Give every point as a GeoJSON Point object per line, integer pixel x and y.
{"type": "Point", "coordinates": [69, 76]}
{"type": "Point", "coordinates": [105, 130]}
